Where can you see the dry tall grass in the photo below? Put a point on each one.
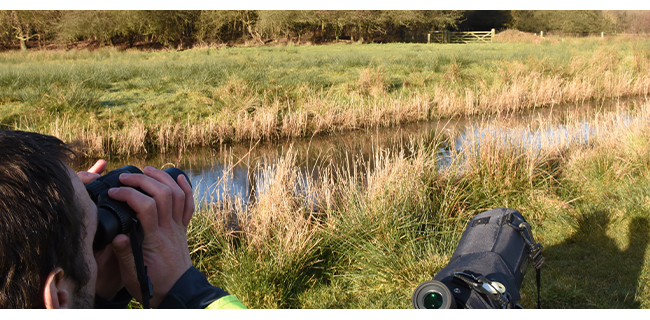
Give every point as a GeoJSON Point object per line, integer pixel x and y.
{"type": "Point", "coordinates": [379, 227]}
{"type": "Point", "coordinates": [489, 153]}
{"type": "Point", "coordinates": [238, 111]}
{"type": "Point", "coordinates": [515, 36]}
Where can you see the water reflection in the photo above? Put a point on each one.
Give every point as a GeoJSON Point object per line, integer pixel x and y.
{"type": "Point", "coordinates": [209, 181]}
{"type": "Point", "coordinates": [239, 171]}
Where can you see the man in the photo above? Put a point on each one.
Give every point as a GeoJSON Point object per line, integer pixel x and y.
{"type": "Point", "coordinates": [48, 223]}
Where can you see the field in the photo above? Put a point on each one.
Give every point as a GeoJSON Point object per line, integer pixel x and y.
{"type": "Point", "coordinates": [365, 238]}
{"type": "Point", "coordinates": [130, 102]}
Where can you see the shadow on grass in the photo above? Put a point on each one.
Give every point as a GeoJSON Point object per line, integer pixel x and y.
{"type": "Point", "coordinates": [9, 122]}
{"type": "Point", "coordinates": [116, 102]}
{"type": "Point", "coordinates": [589, 270]}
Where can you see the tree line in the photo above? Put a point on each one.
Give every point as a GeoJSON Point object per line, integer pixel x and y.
{"type": "Point", "coordinates": [184, 28]}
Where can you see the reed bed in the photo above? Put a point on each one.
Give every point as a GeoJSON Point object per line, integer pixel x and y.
{"type": "Point", "coordinates": [362, 238]}
{"type": "Point", "coordinates": [129, 102]}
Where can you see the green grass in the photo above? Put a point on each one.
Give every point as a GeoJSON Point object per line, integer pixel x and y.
{"type": "Point", "coordinates": [598, 246]}
{"type": "Point", "coordinates": [208, 96]}
{"type": "Point", "coordinates": [376, 235]}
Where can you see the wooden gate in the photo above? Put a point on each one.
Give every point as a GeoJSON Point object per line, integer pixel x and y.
{"type": "Point", "coordinates": [460, 37]}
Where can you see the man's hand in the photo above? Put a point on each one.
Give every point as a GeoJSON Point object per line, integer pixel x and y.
{"type": "Point", "coordinates": [93, 173]}
{"type": "Point", "coordinates": [165, 216]}
{"type": "Point", "coordinates": [109, 279]}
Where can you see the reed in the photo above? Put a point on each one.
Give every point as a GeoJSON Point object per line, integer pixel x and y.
{"type": "Point", "coordinates": [364, 235]}
{"type": "Point", "coordinates": [201, 97]}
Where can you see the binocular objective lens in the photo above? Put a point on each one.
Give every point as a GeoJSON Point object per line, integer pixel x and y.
{"type": "Point", "coordinates": [433, 300]}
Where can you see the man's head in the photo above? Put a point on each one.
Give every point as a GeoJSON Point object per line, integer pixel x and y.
{"type": "Point", "coordinates": [46, 225]}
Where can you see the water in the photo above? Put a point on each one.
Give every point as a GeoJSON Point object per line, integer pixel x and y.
{"type": "Point", "coordinates": [238, 170]}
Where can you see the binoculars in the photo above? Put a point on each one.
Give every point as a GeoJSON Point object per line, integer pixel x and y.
{"type": "Point", "coordinates": [116, 217]}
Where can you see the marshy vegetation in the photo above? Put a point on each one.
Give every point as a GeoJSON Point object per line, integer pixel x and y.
{"type": "Point", "coordinates": [365, 234]}
{"type": "Point", "coordinates": [364, 238]}
{"type": "Point", "coordinates": [130, 102]}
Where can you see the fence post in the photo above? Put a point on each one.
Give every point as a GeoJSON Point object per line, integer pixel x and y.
{"type": "Point", "coordinates": [602, 34]}
{"type": "Point", "coordinates": [492, 36]}
{"type": "Point", "coordinates": [541, 34]}
{"type": "Point", "coordinates": [428, 38]}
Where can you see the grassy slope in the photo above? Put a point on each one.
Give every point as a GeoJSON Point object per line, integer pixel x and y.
{"type": "Point", "coordinates": [128, 102]}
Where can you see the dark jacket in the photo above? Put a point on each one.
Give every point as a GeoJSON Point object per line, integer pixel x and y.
{"type": "Point", "coordinates": [191, 291]}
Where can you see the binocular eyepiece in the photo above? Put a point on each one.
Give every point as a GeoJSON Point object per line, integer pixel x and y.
{"type": "Point", "coordinates": [115, 217]}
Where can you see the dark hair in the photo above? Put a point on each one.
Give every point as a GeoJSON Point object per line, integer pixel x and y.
{"type": "Point", "coordinates": [41, 226]}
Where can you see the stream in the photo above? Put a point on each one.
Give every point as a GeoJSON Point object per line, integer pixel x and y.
{"type": "Point", "coordinates": [236, 170]}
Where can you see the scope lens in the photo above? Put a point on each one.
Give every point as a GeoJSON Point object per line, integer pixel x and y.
{"type": "Point", "coordinates": [433, 300]}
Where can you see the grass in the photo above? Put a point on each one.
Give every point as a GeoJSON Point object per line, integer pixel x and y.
{"type": "Point", "coordinates": [367, 233]}
{"type": "Point", "coordinates": [362, 238]}
{"type": "Point", "coordinates": [130, 102]}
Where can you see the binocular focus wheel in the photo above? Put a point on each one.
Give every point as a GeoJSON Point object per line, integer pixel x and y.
{"type": "Point", "coordinates": [433, 294]}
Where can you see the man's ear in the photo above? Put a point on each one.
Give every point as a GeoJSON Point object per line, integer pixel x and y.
{"type": "Point", "coordinates": [56, 294]}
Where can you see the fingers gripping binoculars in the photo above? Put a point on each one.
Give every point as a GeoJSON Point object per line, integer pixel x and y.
{"type": "Point", "coordinates": [116, 217]}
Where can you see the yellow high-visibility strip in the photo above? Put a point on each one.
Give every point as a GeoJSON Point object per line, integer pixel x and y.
{"type": "Point", "coordinates": [227, 302]}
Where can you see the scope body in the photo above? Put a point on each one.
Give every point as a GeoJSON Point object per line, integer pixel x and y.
{"type": "Point", "coordinates": [491, 250]}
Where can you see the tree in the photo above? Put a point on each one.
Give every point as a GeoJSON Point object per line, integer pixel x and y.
{"type": "Point", "coordinates": [630, 21]}
{"type": "Point", "coordinates": [220, 25]}
{"type": "Point", "coordinates": [25, 25]}
{"type": "Point", "coordinates": [403, 23]}
{"type": "Point", "coordinates": [579, 21]}
{"type": "Point", "coordinates": [443, 19]}
{"type": "Point", "coordinates": [236, 22]}
{"type": "Point", "coordinates": [531, 20]}
{"type": "Point", "coordinates": [486, 19]}
{"type": "Point", "coordinates": [337, 19]}
{"type": "Point", "coordinates": [164, 26]}
{"type": "Point", "coordinates": [284, 23]}
{"type": "Point", "coordinates": [569, 21]}
{"type": "Point", "coordinates": [96, 24]}
{"type": "Point", "coordinates": [168, 26]}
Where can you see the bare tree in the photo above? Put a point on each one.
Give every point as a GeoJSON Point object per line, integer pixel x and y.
{"type": "Point", "coordinates": [25, 25]}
